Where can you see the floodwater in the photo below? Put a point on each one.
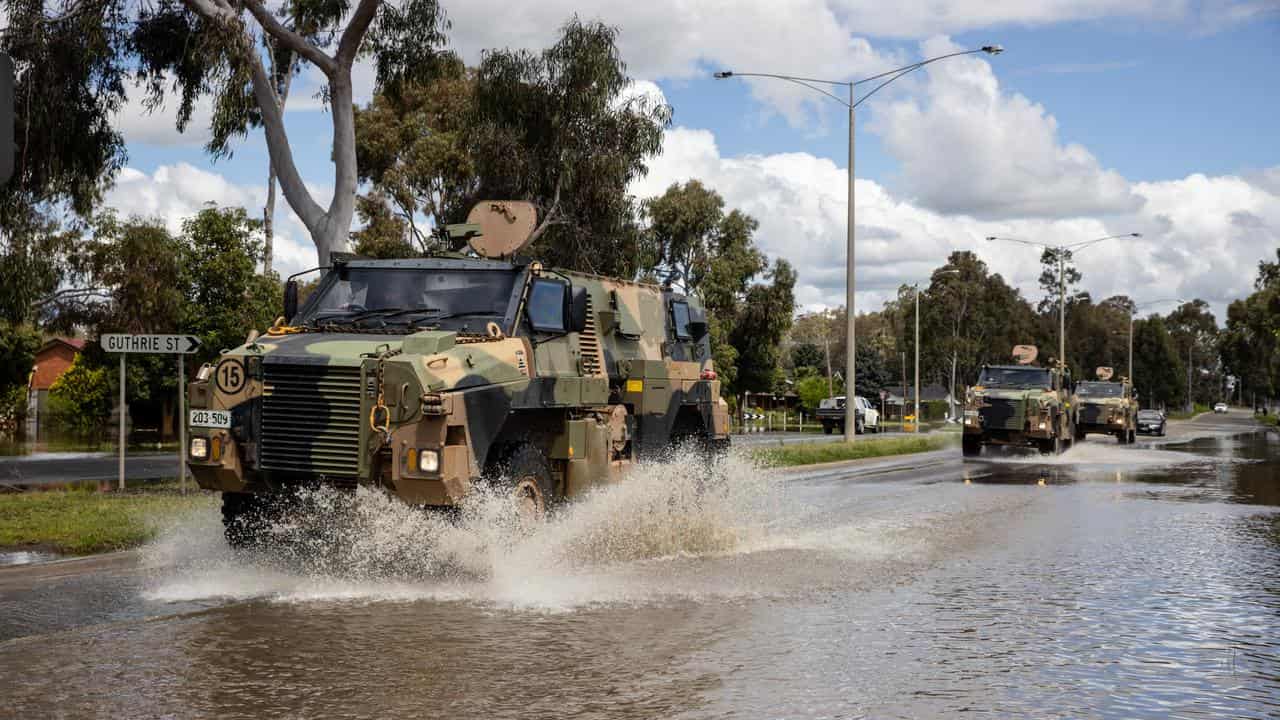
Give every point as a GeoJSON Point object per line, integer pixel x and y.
{"type": "Point", "coordinates": [1112, 581]}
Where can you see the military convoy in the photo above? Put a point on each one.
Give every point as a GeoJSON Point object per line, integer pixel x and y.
{"type": "Point", "coordinates": [428, 376]}
{"type": "Point", "coordinates": [1106, 407]}
{"type": "Point", "coordinates": [1021, 405]}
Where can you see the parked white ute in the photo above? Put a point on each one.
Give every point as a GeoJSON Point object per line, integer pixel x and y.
{"type": "Point", "coordinates": [832, 412]}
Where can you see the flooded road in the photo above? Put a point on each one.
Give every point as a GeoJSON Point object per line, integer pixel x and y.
{"type": "Point", "coordinates": [1109, 582]}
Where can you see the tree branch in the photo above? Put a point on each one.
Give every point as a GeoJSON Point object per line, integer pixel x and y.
{"type": "Point", "coordinates": [349, 45]}
{"type": "Point", "coordinates": [551, 214]}
{"type": "Point", "coordinates": [289, 38]}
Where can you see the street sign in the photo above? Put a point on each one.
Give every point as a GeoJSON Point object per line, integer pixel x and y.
{"type": "Point", "coordinates": [180, 345]}
{"type": "Point", "coordinates": [168, 344]}
{"type": "Point", "coordinates": [6, 118]}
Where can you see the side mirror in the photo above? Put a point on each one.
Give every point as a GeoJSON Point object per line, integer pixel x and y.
{"type": "Point", "coordinates": [290, 300]}
{"type": "Point", "coordinates": [697, 322]}
{"type": "Point", "coordinates": [578, 301]}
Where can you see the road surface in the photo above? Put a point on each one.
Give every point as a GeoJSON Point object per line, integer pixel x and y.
{"type": "Point", "coordinates": [1112, 581]}
{"type": "Point", "coordinates": [75, 467]}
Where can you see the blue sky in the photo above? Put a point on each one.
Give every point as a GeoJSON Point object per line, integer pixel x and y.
{"type": "Point", "coordinates": [1083, 126]}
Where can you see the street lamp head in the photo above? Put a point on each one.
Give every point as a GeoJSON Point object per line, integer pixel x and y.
{"type": "Point", "coordinates": [721, 75]}
{"type": "Point", "coordinates": [1135, 235]}
{"type": "Point", "coordinates": [992, 238]}
{"type": "Point", "coordinates": [992, 49]}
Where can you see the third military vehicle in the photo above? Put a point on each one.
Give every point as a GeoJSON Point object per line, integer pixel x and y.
{"type": "Point", "coordinates": [1019, 404]}
{"type": "Point", "coordinates": [1107, 407]}
{"type": "Point", "coordinates": [427, 376]}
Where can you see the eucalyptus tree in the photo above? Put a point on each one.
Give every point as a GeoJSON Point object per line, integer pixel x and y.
{"type": "Point", "coordinates": [76, 60]}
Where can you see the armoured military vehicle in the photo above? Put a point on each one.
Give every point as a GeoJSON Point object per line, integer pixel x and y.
{"type": "Point", "coordinates": [1107, 407]}
{"type": "Point", "coordinates": [1020, 404]}
{"type": "Point", "coordinates": [428, 376]}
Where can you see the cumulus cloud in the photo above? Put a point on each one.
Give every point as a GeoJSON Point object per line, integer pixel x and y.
{"type": "Point", "coordinates": [967, 147]}
{"type": "Point", "coordinates": [1203, 236]}
{"type": "Point", "coordinates": [173, 193]}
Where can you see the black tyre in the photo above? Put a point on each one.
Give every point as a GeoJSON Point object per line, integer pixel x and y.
{"type": "Point", "coordinates": [971, 446]}
{"type": "Point", "coordinates": [826, 428]}
{"type": "Point", "coordinates": [528, 477]}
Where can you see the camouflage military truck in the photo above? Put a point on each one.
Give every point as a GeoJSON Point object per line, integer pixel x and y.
{"type": "Point", "coordinates": [1107, 407]}
{"type": "Point", "coordinates": [1019, 404]}
{"type": "Point", "coordinates": [428, 376]}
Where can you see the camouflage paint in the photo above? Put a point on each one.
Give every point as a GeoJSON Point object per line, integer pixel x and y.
{"type": "Point", "coordinates": [593, 402]}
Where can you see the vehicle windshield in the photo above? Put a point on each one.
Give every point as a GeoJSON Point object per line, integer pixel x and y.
{"type": "Point", "coordinates": [410, 299]}
{"type": "Point", "coordinates": [1148, 414]}
{"type": "Point", "coordinates": [1019, 377]}
{"type": "Point", "coordinates": [1100, 389]}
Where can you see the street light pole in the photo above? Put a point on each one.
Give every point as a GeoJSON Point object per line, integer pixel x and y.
{"type": "Point", "coordinates": [851, 356]}
{"type": "Point", "coordinates": [916, 425]}
{"type": "Point", "coordinates": [1061, 252]}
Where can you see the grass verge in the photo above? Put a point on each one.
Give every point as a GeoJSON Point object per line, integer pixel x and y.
{"type": "Point", "coordinates": [84, 521]}
{"type": "Point", "coordinates": [814, 453]}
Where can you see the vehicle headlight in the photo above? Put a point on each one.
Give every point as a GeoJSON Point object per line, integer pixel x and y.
{"type": "Point", "coordinates": [1043, 425]}
{"type": "Point", "coordinates": [428, 461]}
{"type": "Point", "coordinates": [199, 448]}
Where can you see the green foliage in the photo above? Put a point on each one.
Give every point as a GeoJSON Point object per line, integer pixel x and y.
{"type": "Point", "coordinates": [808, 355]}
{"type": "Point", "coordinates": [81, 400]}
{"type": "Point", "coordinates": [554, 128]}
{"type": "Point", "coordinates": [812, 390]}
{"type": "Point", "coordinates": [77, 522]}
{"type": "Point", "coordinates": [762, 321]}
{"type": "Point", "coordinates": [814, 453]}
{"type": "Point", "coordinates": [1158, 368]}
{"type": "Point", "coordinates": [18, 346]}
{"type": "Point", "coordinates": [412, 147]}
{"type": "Point", "coordinates": [224, 297]}
{"type": "Point", "coordinates": [384, 235]}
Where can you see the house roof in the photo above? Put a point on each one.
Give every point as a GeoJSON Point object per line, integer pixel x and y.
{"type": "Point", "coordinates": [76, 344]}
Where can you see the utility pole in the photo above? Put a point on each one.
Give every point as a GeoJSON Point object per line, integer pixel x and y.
{"type": "Point", "coordinates": [916, 424]}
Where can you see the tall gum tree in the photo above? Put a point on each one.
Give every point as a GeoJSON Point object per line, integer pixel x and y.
{"type": "Point", "coordinates": [75, 60]}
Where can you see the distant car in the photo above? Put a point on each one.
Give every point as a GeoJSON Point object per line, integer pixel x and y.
{"type": "Point", "coordinates": [1220, 408]}
{"type": "Point", "coordinates": [1151, 422]}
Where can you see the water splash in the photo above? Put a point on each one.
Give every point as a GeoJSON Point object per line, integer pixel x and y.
{"type": "Point", "coordinates": [338, 545]}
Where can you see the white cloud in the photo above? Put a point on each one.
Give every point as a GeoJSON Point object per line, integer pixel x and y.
{"type": "Point", "coordinates": [174, 193]}
{"type": "Point", "coordinates": [1203, 236]}
{"type": "Point", "coordinates": [968, 147]}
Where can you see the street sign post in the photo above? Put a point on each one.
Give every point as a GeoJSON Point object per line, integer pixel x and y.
{"type": "Point", "coordinates": [180, 345]}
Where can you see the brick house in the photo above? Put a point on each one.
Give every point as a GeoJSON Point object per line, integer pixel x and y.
{"type": "Point", "coordinates": [52, 360]}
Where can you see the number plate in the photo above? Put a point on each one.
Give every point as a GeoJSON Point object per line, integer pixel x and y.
{"type": "Point", "coordinates": [971, 413]}
{"type": "Point", "coordinates": [210, 418]}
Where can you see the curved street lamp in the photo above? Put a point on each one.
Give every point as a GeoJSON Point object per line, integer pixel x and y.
{"type": "Point", "coordinates": [1061, 252]}
{"type": "Point", "coordinates": [851, 104]}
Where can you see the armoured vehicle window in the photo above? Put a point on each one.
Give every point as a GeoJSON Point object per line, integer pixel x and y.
{"type": "Point", "coordinates": [1019, 377]}
{"type": "Point", "coordinates": [680, 310]}
{"type": "Point", "coordinates": [546, 306]}
{"type": "Point", "coordinates": [410, 297]}
{"type": "Point", "coordinates": [1100, 389]}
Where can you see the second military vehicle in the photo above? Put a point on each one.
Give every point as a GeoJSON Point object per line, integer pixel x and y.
{"type": "Point", "coordinates": [1107, 407]}
{"type": "Point", "coordinates": [1019, 404]}
{"type": "Point", "coordinates": [425, 377]}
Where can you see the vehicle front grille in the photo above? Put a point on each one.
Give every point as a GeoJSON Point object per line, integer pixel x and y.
{"type": "Point", "coordinates": [1000, 414]}
{"type": "Point", "coordinates": [1092, 414]}
{"type": "Point", "coordinates": [311, 419]}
